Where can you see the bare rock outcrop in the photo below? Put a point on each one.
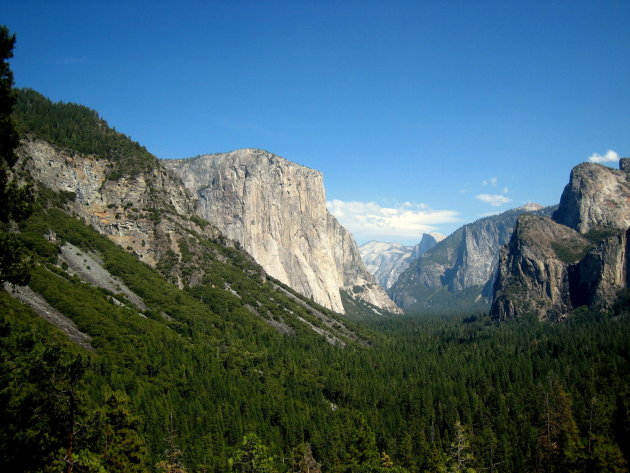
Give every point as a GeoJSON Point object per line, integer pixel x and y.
{"type": "Point", "coordinates": [534, 269]}
{"type": "Point", "coordinates": [143, 214]}
{"type": "Point", "coordinates": [276, 209]}
{"type": "Point", "coordinates": [580, 257]}
{"type": "Point", "coordinates": [596, 196]}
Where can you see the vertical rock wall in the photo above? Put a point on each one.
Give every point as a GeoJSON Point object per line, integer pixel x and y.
{"type": "Point", "coordinates": [277, 210]}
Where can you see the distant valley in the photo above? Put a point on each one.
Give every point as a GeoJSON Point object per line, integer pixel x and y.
{"type": "Point", "coordinates": [189, 315]}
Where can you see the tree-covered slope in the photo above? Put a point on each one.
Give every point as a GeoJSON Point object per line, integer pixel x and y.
{"type": "Point", "coordinates": [80, 128]}
{"type": "Point", "coordinates": [214, 361]}
{"type": "Point", "coordinates": [198, 354]}
{"type": "Point", "coordinates": [200, 371]}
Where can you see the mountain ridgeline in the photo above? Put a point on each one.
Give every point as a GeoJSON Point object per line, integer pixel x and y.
{"type": "Point", "coordinates": [272, 208]}
{"type": "Point", "coordinates": [457, 274]}
{"type": "Point", "coordinates": [387, 261]}
{"type": "Point", "coordinates": [149, 340]}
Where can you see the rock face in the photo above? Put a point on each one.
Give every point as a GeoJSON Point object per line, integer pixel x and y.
{"type": "Point", "coordinates": [141, 214]}
{"type": "Point", "coordinates": [465, 261]}
{"type": "Point", "coordinates": [428, 241]}
{"type": "Point", "coordinates": [387, 261]}
{"type": "Point", "coordinates": [596, 196]}
{"type": "Point", "coordinates": [276, 209]}
{"type": "Point", "coordinates": [579, 257]}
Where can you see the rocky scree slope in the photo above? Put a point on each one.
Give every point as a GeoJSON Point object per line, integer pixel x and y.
{"type": "Point", "coordinates": [459, 270]}
{"type": "Point", "coordinates": [579, 257]}
{"type": "Point", "coordinates": [276, 210]}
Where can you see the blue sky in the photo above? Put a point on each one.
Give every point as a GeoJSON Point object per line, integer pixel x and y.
{"type": "Point", "coordinates": [422, 115]}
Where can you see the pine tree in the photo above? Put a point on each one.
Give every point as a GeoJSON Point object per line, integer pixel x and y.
{"type": "Point", "coordinates": [559, 441]}
{"type": "Point", "coordinates": [252, 457]}
{"type": "Point", "coordinates": [460, 454]}
{"type": "Point", "coordinates": [124, 449]}
{"type": "Point", "coordinates": [303, 461]}
{"type": "Point", "coordinates": [172, 456]}
{"type": "Point", "coordinates": [15, 201]}
{"type": "Point", "coordinates": [362, 449]}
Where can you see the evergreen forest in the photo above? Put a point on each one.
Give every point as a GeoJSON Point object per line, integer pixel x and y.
{"type": "Point", "coordinates": [194, 379]}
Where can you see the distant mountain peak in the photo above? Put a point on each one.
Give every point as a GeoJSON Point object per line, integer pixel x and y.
{"type": "Point", "coordinates": [530, 207]}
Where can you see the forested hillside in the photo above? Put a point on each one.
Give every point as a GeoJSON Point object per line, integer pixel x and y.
{"type": "Point", "coordinates": [188, 381]}
{"type": "Point", "coordinates": [236, 373]}
{"type": "Point", "coordinates": [79, 128]}
{"type": "Point", "coordinates": [430, 393]}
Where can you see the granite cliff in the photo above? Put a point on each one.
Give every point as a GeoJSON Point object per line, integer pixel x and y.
{"type": "Point", "coordinates": [151, 215]}
{"type": "Point", "coordinates": [276, 210]}
{"type": "Point", "coordinates": [579, 257]}
{"type": "Point", "coordinates": [458, 272]}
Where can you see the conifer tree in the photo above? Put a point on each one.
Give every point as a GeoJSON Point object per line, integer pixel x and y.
{"type": "Point", "coordinates": [124, 449]}
{"type": "Point", "coordinates": [252, 457]}
{"type": "Point", "coordinates": [460, 455]}
{"type": "Point", "coordinates": [303, 461]}
{"type": "Point", "coordinates": [559, 441]}
{"type": "Point", "coordinates": [15, 201]}
{"type": "Point", "coordinates": [172, 461]}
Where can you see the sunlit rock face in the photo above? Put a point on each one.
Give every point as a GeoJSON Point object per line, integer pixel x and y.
{"type": "Point", "coordinates": [277, 210]}
{"type": "Point", "coordinates": [577, 258]}
{"type": "Point", "coordinates": [121, 209]}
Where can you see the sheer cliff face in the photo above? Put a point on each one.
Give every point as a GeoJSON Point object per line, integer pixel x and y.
{"type": "Point", "coordinates": [596, 196]}
{"type": "Point", "coordinates": [465, 260]}
{"type": "Point", "coordinates": [277, 211]}
{"type": "Point", "coordinates": [533, 273]}
{"type": "Point", "coordinates": [580, 257]}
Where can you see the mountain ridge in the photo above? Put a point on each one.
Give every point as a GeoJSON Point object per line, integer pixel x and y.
{"type": "Point", "coordinates": [458, 272]}
{"type": "Point", "coordinates": [387, 261]}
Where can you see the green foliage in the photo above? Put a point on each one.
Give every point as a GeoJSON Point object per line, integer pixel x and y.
{"type": "Point", "coordinates": [569, 251]}
{"type": "Point", "coordinates": [597, 234]}
{"type": "Point", "coordinates": [444, 301]}
{"type": "Point", "coordinates": [15, 264]}
{"type": "Point", "coordinates": [460, 457]}
{"type": "Point", "coordinates": [81, 129]}
{"type": "Point", "coordinates": [15, 200]}
{"type": "Point", "coordinates": [124, 449]}
{"type": "Point", "coordinates": [8, 134]}
{"type": "Point", "coordinates": [559, 437]}
{"type": "Point", "coordinates": [252, 457]}
{"type": "Point", "coordinates": [426, 388]}
{"type": "Point", "coordinates": [303, 461]}
{"type": "Point", "coordinates": [622, 304]}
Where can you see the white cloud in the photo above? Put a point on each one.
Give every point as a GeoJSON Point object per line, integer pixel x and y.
{"type": "Point", "coordinates": [372, 221]}
{"type": "Point", "coordinates": [491, 182]}
{"type": "Point", "coordinates": [506, 190]}
{"type": "Point", "coordinates": [609, 157]}
{"type": "Point", "coordinates": [495, 200]}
